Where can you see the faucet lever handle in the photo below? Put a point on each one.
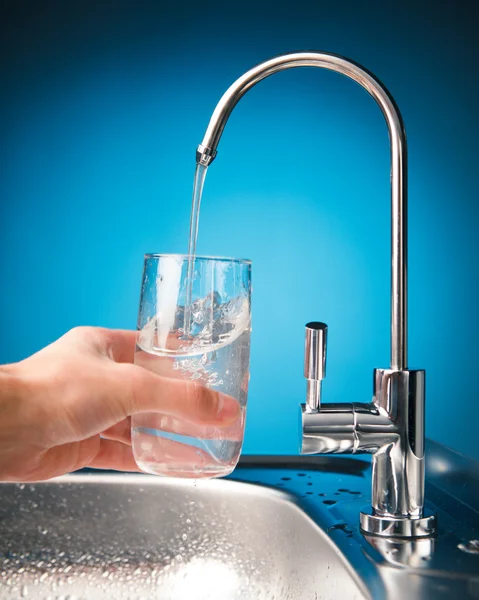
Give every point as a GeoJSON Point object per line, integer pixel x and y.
{"type": "Point", "coordinates": [315, 363]}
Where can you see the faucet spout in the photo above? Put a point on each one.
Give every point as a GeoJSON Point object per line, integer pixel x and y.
{"type": "Point", "coordinates": [207, 150]}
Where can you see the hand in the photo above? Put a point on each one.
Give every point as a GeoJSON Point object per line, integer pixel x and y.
{"type": "Point", "coordinates": [68, 406]}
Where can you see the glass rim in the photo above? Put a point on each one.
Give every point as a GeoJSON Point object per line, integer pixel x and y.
{"type": "Point", "coordinates": [241, 261]}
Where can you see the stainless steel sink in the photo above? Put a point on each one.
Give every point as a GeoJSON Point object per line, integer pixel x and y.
{"type": "Point", "coordinates": [279, 528]}
{"type": "Point", "coordinates": [137, 536]}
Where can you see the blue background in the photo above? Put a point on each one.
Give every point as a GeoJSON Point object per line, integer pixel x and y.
{"type": "Point", "coordinates": [102, 106]}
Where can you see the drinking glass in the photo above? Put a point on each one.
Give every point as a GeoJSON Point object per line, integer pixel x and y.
{"type": "Point", "coordinates": [193, 325]}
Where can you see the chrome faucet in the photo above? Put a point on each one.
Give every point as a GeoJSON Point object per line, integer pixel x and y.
{"type": "Point", "coordinates": [391, 426]}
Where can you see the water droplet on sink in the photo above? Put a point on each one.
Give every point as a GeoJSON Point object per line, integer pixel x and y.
{"type": "Point", "coordinates": [471, 547]}
{"type": "Point", "coordinates": [341, 526]}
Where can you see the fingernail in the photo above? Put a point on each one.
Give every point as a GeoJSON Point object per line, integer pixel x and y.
{"type": "Point", "coordinates": [228, 408]}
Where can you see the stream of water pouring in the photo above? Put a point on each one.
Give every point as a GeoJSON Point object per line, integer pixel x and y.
{"type": "Point", "coordinates": [199, 181]}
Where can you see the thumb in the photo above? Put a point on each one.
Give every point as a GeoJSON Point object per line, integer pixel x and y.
{"type": "Point", "coordinates": [122, 390]}
{"type": "Point", "coordinates": [142, 390]}
{"type": "Point", "coordinates": [149, 392]}
{"type": "Point", "coordinates": [114, 389]}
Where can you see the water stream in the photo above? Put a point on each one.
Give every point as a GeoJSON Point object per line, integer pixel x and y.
{"type": "Point", "coordinates": [198, 184]}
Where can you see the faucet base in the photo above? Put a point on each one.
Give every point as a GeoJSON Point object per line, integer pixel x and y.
{"type": "Point", "coordinates": [398, 527]}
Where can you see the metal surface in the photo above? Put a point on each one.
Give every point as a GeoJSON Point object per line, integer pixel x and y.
{"type": "Point", "coordinates": [137, 537]}
{"type": "Point", "coordinates": [329, 431]}
{"type": "Point", "coordinates": [332, 489]}
{"type": "Point", "coordinates": [392, 426]}
{"type": "Point", "coordinates": [315, 363]}
{"type": "Point", "coordinates": [286, 529]}
{"type": "Point", "coordinates": [206, 153]}
{"type": "Point", "coordinates": [419, 527]}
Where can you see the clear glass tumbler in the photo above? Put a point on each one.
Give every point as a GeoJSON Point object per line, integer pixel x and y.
{"type": "Point", "coordinates": [214, 353]}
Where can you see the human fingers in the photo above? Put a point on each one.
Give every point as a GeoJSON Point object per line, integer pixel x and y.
{"type": "Point", "coordinates": [120, 432]}
{"type": "Point", "coordinates": [93, 452]}
{"type": "Point", "coordinates": [116, 344]}
{"type": "Point", "coordinates": [120, 344]}
{"type": "Point", "coordinates": [109, 393]}
{"type": "Point", "coordinates": [147, 389]}
{"type": "Point", "coordinates": [74, 389]}
{"type": "Point", "coordinates": [169, 424]}
{"type": "Point", "coordinates": [178, 398]}
{"type": "Point", "coordinates": [59, 460]}
{"type": "Point", "coordinates": [163, 455]}
{"type": "Point", "coordinates": [113, 455]}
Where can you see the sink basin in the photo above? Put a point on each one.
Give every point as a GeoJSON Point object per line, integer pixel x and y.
{"type": "Point", "coordinates": [279, 528]}
{"type": "Point", "coordinates": [138, 536]}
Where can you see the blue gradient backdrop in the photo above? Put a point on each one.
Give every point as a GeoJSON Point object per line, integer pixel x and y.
{"type": "Point", "coordinates": [102, 105]}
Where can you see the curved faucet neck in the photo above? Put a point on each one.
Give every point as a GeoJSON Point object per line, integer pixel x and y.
{"type": "Point", "coordinates": [206, 153]}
